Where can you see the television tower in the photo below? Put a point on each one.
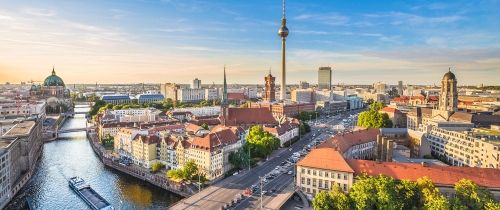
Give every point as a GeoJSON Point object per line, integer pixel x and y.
{"type": "Point", "coordinates": [283, 33]}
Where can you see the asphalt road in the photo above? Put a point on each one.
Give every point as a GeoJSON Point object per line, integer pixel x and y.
{"type": "Point", "coordinates": [224, 191]}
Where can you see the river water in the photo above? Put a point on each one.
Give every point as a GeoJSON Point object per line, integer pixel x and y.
{"type": "Point", "coordinates": [71, 155]}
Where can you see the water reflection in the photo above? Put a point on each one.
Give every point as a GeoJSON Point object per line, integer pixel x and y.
{"type": "Point", "coordinates": [71, 155]}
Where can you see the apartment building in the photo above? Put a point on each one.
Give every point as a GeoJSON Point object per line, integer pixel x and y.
{"type": "Point", "coordinates": [466, 147]}
{"type": "Point", "coordinates": [321, 170]}
{"type": "Point", "coordinates": [144, 150]}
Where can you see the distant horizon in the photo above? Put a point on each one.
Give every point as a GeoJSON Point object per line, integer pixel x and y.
{"type": "Point", "coordinates": [163, 41]}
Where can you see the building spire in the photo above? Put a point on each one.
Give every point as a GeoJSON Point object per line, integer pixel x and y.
{"type": "Point", "coordinates": [284, 9]}
{"type": "Point", "coordinates": [224, 91]}
{"type": "Point", "coordinates": [53, 71]}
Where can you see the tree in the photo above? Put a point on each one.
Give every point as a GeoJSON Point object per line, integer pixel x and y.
{"type": "Point", "coordinates": [341, 201]}
{"type": "Point", "coordinates": [431, 198]}
{"type": "Point", "coordinates": [190, 168]}
{"type": "Point", "coordinates": [322, 201]}
{"type": "Point", "coordinates": [409, 194]}
{"type": "Point", "coordinates": [241, 158]}
{"type": "Point", "coordinates": [470, 196]}
{"type": "Point", "coordinates": [156, 166]}
{"type": "Point", "coordinates": [185, 173]}
{"type": "Point", "coordinates": [377, 106]}
{"type": "Point", "coordinates": [107, 140]}
{"type": "Point", "coordinates": [363, 193]}
{"type": "Point", "coordinates": [204, 126]}
{"type": "Point", "coordinates": [373, 118]}
{"type": "Point", "coordinates": [260, 142]}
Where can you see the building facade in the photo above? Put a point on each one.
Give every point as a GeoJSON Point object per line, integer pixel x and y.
{"type": "Point", "coordinates": [269, 90]}
{"type": "Point", "coordinates": [325, 78]}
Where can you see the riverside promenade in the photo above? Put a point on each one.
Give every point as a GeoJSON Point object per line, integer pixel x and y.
{"type": "Point", "coordinates": [136, 171]}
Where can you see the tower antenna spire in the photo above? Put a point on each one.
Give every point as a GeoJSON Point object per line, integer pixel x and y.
{"type": "Point", "coordinates": [283, 9]}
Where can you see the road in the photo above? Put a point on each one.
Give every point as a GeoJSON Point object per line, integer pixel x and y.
{"type": "Point", "coordinates": [224, 191]}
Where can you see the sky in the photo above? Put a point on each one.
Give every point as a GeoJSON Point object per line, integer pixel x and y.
{"type": "Point", "coordinates": [158, 41]}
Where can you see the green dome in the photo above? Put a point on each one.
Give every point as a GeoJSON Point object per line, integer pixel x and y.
{"type": "Point", "coordinates": [53, 80]}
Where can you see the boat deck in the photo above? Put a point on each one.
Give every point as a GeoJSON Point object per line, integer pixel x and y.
{"type": "Point", "coordinates": [94, 198]}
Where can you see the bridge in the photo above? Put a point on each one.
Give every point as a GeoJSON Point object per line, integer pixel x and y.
{"type": "Point", "coordinates": [75, 130]}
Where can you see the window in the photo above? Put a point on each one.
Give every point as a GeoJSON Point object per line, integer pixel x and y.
{"type": "Point", "coordinates": [314, 172]}
{"type": "Point", "coordinates": [303, 170]}
{"type": "Point", "coordinates": [308, 171]}
{"type": "Point", "coordinates": [345, 176]}
{"type": "Point", "coordinates": [338, 176]}
{"type": "Point", "coordinates": [302, 180]}
{"type": "Point", "coordinates": [308, 181]}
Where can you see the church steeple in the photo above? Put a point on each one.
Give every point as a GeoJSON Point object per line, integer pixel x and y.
{"type": "Point", "coordinates": [224, 90]}
{"type": "Point", "coordinates": [224, 102]}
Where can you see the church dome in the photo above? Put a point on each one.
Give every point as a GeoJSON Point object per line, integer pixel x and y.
{"type": "Point", "coordinates": [53, 80]}
{"type": "Point", "coordinates": [449, 76]}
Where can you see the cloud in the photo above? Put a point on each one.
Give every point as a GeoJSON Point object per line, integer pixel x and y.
{"type": "Point", "coordinates": [328, 19]}
{"type": "Point", "coordinates": [401, 18]}
{"type": "Point", "coordinates": [39, 12]}
{"type": "Point", "coordinates": [198, 48]}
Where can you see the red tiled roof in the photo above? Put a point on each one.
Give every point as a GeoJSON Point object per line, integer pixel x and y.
{"type": "Point", "coordinates": [346, 141]}
{"type": "Point", "coordinates": [440, 175]}
{"type": "Point", "coordinates": [209, 121]}
{"type": "Point", "coordinates": [325, 158]}
{"type": "Point", "coordinates": [280, 129]}
{"type": "Point", "coordinates": [389, 109]}
{"type": "Point", "coordinates": [248, 116]}
{"type": "Point", "coordinates": [193, 127]}
{"type": "Point", "coordinates": [214, 139]}
{"type": "Point", "coordinates": [236, 96]}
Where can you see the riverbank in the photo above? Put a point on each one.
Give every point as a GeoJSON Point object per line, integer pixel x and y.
{"type": "Point", "coordinates": [135, 171]}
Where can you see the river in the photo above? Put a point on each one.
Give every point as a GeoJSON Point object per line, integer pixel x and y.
{"type": "Point", "coordinates": [71, 155]}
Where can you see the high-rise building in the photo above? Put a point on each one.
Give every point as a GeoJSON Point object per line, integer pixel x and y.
{"type": "Point", "coordinates": [448, 101]}
{"type": "Point", "coordinates": [283, 33]}
{"type": "Point", "coordinates": [270, 91]}
{"type": "Point", "coordinates": [325, 78]}
{"type": "Point", "coordinates": [196, 84]}
{"type": "Point", "coordinates": [400, 88]}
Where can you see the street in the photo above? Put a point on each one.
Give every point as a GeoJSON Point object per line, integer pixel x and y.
{"type": "Point", "coordinates": [226, 190]}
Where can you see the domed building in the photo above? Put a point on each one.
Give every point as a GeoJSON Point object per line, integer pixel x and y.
{"type": "Point", "coordinates": [53, 86]}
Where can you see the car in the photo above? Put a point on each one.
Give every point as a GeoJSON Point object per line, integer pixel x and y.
{"type": "Point", "coordinates": [290, 173]}
{"type": "Point", "coordinates": [264, 192]}
{"type": "Point", "coordinates": [235, 173]}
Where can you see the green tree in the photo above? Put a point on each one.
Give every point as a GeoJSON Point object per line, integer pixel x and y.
{"type": "Point", "coordinates": [204, 126]}
{"type": "Point", "coordinates": [260, 142]}
{"type": "Point", "coordinates": [377, 106]}
{"type": "Point", "coordinates": [363, 193]}
{"type": "Point", "coordinates": [431, 198]}
{"type": "Point", "coordinates": [156, 166]}
{"type": "Point", "coordinates": [373, 118]}
{"type": "Point", "coordinates": [322, 201]}
{"type": "Point", "coordinates": [190, 169]}
{"type": "Point", "coordinates": [470, 196]}
{"type": "Point", "coordinates": [409, 195]}
{"type": "Point", "coordinates": [341, 201]}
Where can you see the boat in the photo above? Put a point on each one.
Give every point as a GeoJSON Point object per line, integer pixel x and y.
{"type": "Point", "coordinates": [89, 195]}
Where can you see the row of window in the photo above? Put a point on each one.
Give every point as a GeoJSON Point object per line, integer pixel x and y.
{"type": "Point", "coordinates": [324, 173]}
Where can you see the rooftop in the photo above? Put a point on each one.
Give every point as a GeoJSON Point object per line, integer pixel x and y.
{"type": "Point", "coordinates": [343, 142]}
{"type": "Point", "coordinates": [20, 129]}
{"type": "Point", "coordinates": [325, 158]}
{"type": "Point", "coordinates": [440, 175]}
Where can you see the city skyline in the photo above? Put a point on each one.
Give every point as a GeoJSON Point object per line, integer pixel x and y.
{"type": "Point", "coordinates": [148, 41]}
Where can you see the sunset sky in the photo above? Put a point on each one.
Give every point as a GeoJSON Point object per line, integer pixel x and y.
{"type": "Point", "coordinates": [122, 41]}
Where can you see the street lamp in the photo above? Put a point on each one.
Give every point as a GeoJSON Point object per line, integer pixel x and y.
{"type": "Point", "coordinates": [261, 193]}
